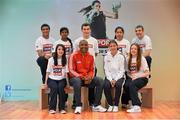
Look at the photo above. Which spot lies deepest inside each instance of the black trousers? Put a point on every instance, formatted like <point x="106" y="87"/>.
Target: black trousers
<point x="149" y="61"/>
<point x="91" y="96"/>
<point x="131" y="88"/>
<point x="42" y="62"/>
<point x="57" y="89"/>
<point x="107" y="91"/>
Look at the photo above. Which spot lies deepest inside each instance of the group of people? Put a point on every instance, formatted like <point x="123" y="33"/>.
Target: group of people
<point x="126" y="66"/>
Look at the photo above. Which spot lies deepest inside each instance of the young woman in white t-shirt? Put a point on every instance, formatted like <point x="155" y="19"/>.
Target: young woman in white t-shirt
<point x="123" y="44"/>
<point x="56" y="75"/>
<point x="138" y="72"/>
<point x="65" y="40"/>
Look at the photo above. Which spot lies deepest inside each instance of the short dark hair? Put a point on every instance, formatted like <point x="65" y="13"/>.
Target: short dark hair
<point x="64" y="28"/>
<point x="112" y="41"/>
<point x="140" y="26"/>
<point x="45" y="25"/>
<point x="84" y="24"/>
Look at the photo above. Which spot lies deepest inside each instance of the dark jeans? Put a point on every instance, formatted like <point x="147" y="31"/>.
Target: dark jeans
<point x="96" y="83"/>
<point x="107" y="91"/>
<point x="91" y="96"/>
<point x="131" y="89"/>
<point x="42" y="62"/>
<point x="57" y="88"/>
<point x="125" y="95"/>
<point x="149" y="61"/>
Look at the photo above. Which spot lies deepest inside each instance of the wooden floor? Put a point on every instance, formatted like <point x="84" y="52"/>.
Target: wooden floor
<point x="28" y="110"/>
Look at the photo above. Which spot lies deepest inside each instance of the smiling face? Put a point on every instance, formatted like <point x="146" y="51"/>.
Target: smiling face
<point x="83" y="46"/>
<point x="139" y="32"/>
<point x="86" y="31"/>
<point x="60" y="51"/>
<point x="113" y="47"/>
<point x="134" y="50"/>
<point x="45" y="31"/>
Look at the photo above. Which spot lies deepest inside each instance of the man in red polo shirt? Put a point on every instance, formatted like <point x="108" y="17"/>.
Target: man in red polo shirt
<point x="81" y="69"/>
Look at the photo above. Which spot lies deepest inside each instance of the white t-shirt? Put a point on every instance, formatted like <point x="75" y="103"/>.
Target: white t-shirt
<point x="144" y="43"/>
<point x="46" y="45"/>
<point x="92" y="43"/>
<point x="123" y="46"/>
<point x="133" y="69"/>
<point x="67" y="45"/>
<point x="114" y="66"/>
<point x="56" y="72"/>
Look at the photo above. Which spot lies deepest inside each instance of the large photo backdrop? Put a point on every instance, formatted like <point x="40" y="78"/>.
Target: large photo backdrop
<point x="20" y="23"/>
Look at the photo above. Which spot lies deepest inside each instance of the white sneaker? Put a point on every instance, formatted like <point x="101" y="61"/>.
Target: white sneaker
<point x="52" y="111"/>
<point x="99" y="108"/>
<point x="134" y="109"/>
<point x="115" y="109"/>
<point x="77" y="110"/>
<point x="110" y="108"/>
<point x="63" y="112"/>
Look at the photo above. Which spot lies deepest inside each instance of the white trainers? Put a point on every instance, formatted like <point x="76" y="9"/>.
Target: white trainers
<point x="52" y="111"/>
<point x="77" y="110"/>
<point x="110" y="108"/>
<point x="134" y="109"/>
<point x="115" y="109"/>
<point x="99" y="108"/>
<point x="63" y="112"/>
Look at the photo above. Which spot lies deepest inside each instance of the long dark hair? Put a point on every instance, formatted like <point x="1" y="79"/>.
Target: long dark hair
<point x="88" y="8"/>
<point x="66" y="29"/>
<point x="119" y="27"/>
<point x="138" y="63"/>
<point x="55" y="56"/>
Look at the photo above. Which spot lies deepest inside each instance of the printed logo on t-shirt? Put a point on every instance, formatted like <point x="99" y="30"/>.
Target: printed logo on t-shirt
<point x="57" y="70"/>
<point x="121" y="47"/>
<point x="133" y="68"/>
<point x="90" y="46"/>
<point x="68" y="49"/>
<point x="47" y="48"/>
<point x="142" y="45"/>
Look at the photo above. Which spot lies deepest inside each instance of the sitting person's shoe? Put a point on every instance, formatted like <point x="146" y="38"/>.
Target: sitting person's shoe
<point x="52" y="111"/>
<point x="99" y="108"/>
<point x="63" y="112"/>
<point x="115" y="109"/>
<point x="110" y="108"/>
<point x="134" y="109"/>
<point x="77" y="110"/>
